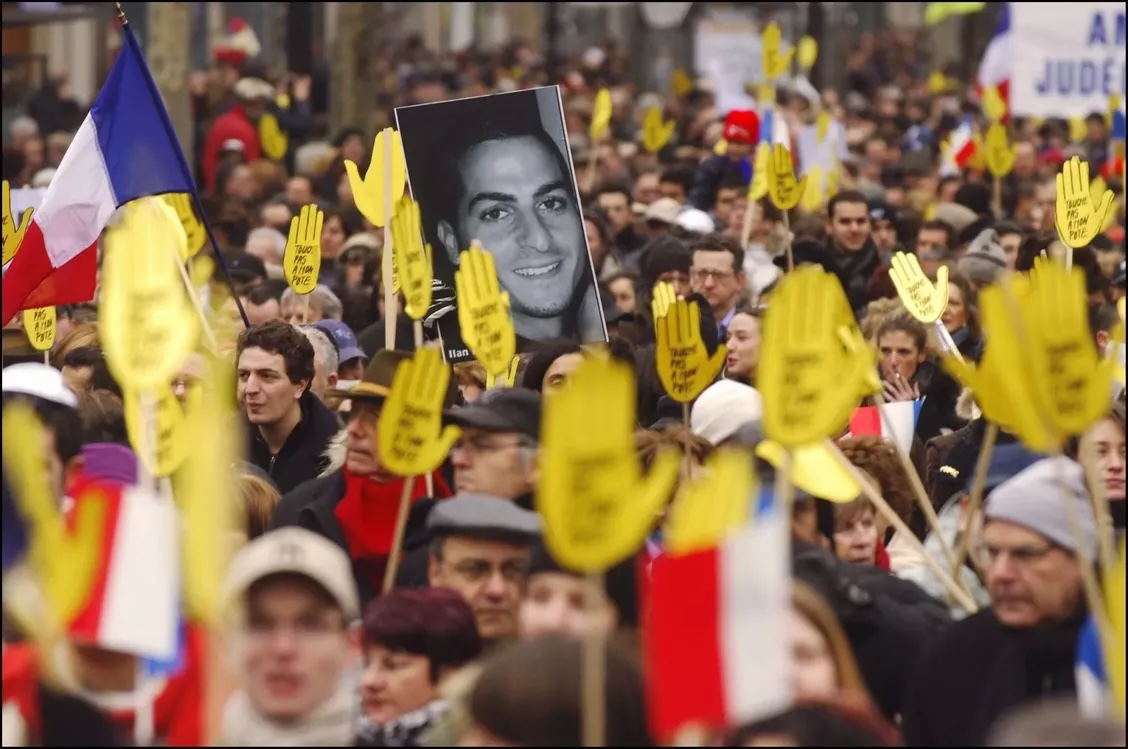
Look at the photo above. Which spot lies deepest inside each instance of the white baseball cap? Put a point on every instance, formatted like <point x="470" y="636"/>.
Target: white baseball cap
<point x="724" y="408"/>
<point x="39" y="380"/>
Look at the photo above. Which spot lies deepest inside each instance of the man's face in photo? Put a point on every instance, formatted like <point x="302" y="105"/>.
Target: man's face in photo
<point x="520" y="205"/>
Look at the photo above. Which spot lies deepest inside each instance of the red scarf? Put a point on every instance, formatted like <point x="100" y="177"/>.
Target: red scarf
<point x="881" y="556"/>
<point x="367" y="513"/>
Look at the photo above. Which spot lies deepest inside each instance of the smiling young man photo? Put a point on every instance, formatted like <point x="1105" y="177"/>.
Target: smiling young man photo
<point x="493" y="169"/>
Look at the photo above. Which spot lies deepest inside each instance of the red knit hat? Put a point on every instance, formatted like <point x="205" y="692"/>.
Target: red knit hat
<point x="240" y="44"/>
<point x="742" y="126"/>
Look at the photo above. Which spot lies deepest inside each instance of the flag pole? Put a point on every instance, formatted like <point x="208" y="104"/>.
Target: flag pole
<point x="171" y="132"/>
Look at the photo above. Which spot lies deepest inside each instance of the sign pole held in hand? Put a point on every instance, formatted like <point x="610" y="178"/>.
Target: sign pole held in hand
<point x="376" y="197"/>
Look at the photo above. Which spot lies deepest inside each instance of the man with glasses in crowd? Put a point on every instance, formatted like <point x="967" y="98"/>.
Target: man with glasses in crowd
<point x="717" y="273"/>
<point x="480" y="548"/>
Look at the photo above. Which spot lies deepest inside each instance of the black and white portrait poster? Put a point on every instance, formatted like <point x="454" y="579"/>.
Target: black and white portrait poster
<point x="497" y="169"/>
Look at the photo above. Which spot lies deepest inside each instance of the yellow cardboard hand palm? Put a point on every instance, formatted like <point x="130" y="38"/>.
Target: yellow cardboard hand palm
<point x="775" y="62"/>
<point x="412" y="439"/>
<point x="412" y="259"/>
<point x="1078" y="217"/>
<point x="656" y="133"/>
<point x="784" y="189"/>
<point x="1000" y="151"/>
<point x="386" y="170"/>
<point x="924" y="300"/>
<point x="706" y="510"/>
<point x="301" y="260"/>
<point x="684" y="365"/>
<point x="483" y="311"/>
<point x="194" y="229"/>
<point x="596" y="505"/>
<point x="13" y="235"/>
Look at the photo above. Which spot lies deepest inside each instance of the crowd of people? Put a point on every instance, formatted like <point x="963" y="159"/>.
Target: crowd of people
<point x="479" y="640"/>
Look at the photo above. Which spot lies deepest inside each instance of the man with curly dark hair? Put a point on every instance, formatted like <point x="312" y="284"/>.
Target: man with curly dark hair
<point x="288" y="426"/>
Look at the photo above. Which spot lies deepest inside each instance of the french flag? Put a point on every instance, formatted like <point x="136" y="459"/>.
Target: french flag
<point x="900" y="421"/>
<point x="717" y="627"/>
<point x="125" y="149"/>
<point x="133" y="602"/>
<point x="961" y="144"/>
<point x="995" y="67"/>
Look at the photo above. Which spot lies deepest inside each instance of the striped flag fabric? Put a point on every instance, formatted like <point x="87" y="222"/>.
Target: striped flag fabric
<point x="961" y="148"/>
<point x="715" y="623"/>
<point x="995" y="67"/>
<point x="900" y="421"/>
<point x="133" y="605"/>
<point x="1089" y="673"/>
<point x="125" y="149"/>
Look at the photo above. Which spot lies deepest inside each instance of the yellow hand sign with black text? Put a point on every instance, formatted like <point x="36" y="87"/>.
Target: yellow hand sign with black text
<point x="64" y="563"/>
<point x="684" y="365"/>
<point x="1078" y="217"/>
<point x="656" y="132"/>
<point x="412" y="438"/>
<point x="923" y="299"/>
<point x="411" y="259"/>
<point x="483" y="311"/>
<point x="810" y="380"/>
<point x="1000" y="152"/>
<point x="385" y="180"/>
<point x="775" y="61"/>
<point x="301" y="262"/>
<point x="172" y="441"/>
<point x="13" y="235"/>
<point x="785" y="190"/>
<point x="146" y="319"/>
<point x="596" y="505"/>
<point x="712" y="506"/>
<point x="600" y="115"/>
<point x="40" y="325"/>
<point x="194" y="230"/>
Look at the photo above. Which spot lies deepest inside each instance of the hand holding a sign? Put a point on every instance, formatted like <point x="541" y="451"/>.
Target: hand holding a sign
<point x="368" y="193"/>
<point x="13" y="235"/>
<point x="656" y="133"/>
<point x="924" y="300"/>
<point x="596" y="505"/>
<point x="301" y="262"/>
<point x="1000" y="151"/>
<point x="684" y="365"/>
<point x="712" y="506"/>
<point x="411" y="259"/>
<point x="483" y="311"/>
<point x="775" y="63"/>
<point x="1077" y="216"/>
<point x="413" y="441"/>
<point x="785" y="190"/>
<point x="194" y="230"/>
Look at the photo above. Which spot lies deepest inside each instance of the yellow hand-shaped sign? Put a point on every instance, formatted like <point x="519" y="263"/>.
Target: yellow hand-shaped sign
<point x="656" y="133"/>
<point x="775" y="62"/>
<point x="64" y="562"/>
<point x="994" y="108"/>
<point x="681" y="83"/>
<point x="761" y="171"/>
<point x="813" y="470"/>
<point x="483" y="311"/>
<point x="822" y="126"/>
<point x="1000" y="152"/>
<point x="511" y="373"/>
<point x="194" y="230"/>
<point x="1078" y="217"/>
<point x="274" y="141"/>
<point x="1078" y="129"/>
<point x="596" y="506"/>
<point x="411" y="259"/>
<point x="412" y="438"/>
<point x="384" y="182"/>
<point x="807" y="52"/>
<point x="600" y="116"/>
<point x="13" y="235"/>
<point x="40" y="325"/>
<point x="147" y="322"/>
<point x="813" y="194"/>
<point x="810" y="380"/>
<point x="173" y="441"/>
<point x="924" y="300"/>
<point x="201" y="270"/>
<point x="782" y="185"/>
<point x="301" y="262"/>
<point x="684" y="365"/>
<point x="708" y="509"/>
<point x="978" y="160"/>
<point x="1077" y="379"/>
<point x="937" y="83"/>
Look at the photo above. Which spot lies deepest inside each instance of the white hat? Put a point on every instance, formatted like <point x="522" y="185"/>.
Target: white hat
<point x="697" y="221"/>
<point x="665" y="210"/>
<point x="39" y="380"/>
<point x="296" y="551"/>
<point x="250" y="89"/>
<point x="723" y="409"/>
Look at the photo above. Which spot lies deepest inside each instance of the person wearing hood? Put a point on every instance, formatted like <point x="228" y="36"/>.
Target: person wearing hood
<point x="355" y="500"/>
<point x="909" y="374"/>
<point x="1038" y="531"/>
<point x="856" y="255"/>
<point x="289" y="427"/>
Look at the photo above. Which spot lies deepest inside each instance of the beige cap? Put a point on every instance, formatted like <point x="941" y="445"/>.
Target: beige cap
<point x="296" y="551"/>
<point x="665" y="210"/>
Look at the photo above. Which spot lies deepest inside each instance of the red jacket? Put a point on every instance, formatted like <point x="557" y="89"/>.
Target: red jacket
<point x="231" y="125"/>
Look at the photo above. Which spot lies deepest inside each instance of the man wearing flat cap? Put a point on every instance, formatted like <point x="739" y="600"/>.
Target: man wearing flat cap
<point x="1038" y="534"/>
<point x="480" y="548"/>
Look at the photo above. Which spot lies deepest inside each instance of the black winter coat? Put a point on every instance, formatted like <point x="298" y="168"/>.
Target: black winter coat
<point x="302" y="455"/>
